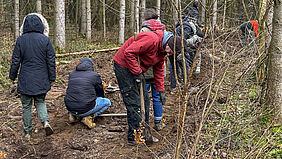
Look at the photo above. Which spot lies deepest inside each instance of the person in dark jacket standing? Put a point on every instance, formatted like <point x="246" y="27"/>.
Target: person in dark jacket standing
<point x="35" y="56"/>
<point x="151" y="48"/>
<point x="85" y="94"/>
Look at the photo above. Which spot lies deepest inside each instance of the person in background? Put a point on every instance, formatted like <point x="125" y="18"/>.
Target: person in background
<point x="85" y="94"/>
<point x="151" y="24"/>
<point x="193" y="36"/>
<point x="151" y="49"/>
<point x="249" y="31"/>
<point x="35" y="56"/>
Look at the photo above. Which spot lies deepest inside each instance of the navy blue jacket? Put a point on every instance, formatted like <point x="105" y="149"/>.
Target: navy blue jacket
<point x="188" y="31"/>
<point x="35" y="56"/>
<point x="84" y="87"/>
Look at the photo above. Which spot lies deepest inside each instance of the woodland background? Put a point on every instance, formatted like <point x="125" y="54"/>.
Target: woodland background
<point x="236" y="113"/>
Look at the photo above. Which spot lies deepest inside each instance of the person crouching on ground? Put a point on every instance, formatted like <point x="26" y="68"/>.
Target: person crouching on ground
<point x="85" y="94"/>
<point x="35" y="56"/>
<point x="151" y="48"/>
<point x="249" y="31"/>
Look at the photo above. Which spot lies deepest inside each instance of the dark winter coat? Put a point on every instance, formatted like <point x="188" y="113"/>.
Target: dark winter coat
<point x="84" y="87"/>
<point x="35" y="56"/>
<point x="189" y="29"/>
<point x="149" y="47"/>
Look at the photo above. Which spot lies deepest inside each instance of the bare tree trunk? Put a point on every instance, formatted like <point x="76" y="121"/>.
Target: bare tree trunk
<point x="143" y="7"/>
<point x="214" y="11"/>
<point x="60" y="24"/>
<point x="38" y="6"/>
<point x="76" y="16"/>
<point x="121" y="21"/>
<point x="132" y="18"/>
<point x="104" y="17"/>
<point x="88" y="22"/>
<point x="137" y="15"/>
<point x="261" y="41"/>
<point x="224" y="14"/>
<point x="269" y="27"/>
<point x="274" y="82"/>
<point x="17" y="19"/>
<point x="203" y="11"/>
<point x="175" y="12"/>
<point x="159" y="8"/>
<point x="83" y="17"/>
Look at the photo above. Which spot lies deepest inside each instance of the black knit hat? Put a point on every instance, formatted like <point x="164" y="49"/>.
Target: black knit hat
<point x="177" y="43"/>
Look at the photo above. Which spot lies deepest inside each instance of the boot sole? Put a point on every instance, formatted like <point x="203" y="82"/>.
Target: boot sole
<point x="49" y="131"/>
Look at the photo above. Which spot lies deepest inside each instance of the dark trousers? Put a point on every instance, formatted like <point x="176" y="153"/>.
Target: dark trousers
<point x="130" y="91"/>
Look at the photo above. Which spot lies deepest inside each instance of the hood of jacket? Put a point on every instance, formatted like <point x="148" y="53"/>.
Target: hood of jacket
<point x="85" y="65"/>
<point x="34" y="22"/>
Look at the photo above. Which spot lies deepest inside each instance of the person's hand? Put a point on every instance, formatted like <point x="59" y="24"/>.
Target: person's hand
<point x="139" y="78"/>
<point x="162" y="98"/>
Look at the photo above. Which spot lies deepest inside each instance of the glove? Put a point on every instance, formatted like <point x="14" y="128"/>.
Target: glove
<point x="162" y="98"/>
<point x="139" y="78"/>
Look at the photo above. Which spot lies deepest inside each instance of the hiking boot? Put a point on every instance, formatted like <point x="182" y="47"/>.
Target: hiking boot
<point x="48" y="128"/>
<point x="72" y="118"/>
<point x="159" y="125"/>
<point x="27" y="136"/>
<point x="88" y="121"/>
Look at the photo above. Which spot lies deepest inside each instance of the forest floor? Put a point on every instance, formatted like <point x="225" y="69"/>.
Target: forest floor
<point x="109" y="138"/>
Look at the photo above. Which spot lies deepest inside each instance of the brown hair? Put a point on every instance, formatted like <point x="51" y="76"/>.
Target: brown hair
<point x="150" y="13"/>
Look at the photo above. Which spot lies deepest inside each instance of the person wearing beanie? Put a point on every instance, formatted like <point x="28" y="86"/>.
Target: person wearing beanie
<point x="150" y="24"/>
<point x="133" y="59"/>
<point x="85" y="94"/>
<point x="249" y="31"/>
<point x="35" y="56"/>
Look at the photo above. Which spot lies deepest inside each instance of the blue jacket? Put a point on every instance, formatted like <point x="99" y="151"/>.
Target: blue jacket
<point x="188" y="30"/>
<point x="35" y="56"/>
<point x="84" y="87"/>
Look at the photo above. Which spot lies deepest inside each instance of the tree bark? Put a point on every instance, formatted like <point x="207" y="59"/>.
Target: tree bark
<point x="132" y="18"/>
<point x="261" y="41"/>
<point x="83" y="17"/>
<point x="88" y="23"/>
<point x="274" y="82"/>
<point x="159" y="8"/>
<point x="203" y="11"/>
<point x="38" y="6"/>
<point x="121" y="21"/>
<point x="214" y="11"/>
<point x="104" y="17"/>
<point x="137" y="15"/>
<point x="143" y="7"/>
<point x="17" y="19"/>
<point x="60" y="24"/>
<point x="175" y="12"/>
<point x="224" y="14"/>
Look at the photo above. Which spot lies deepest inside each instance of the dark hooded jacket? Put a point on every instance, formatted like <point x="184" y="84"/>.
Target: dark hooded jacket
<point x="35" y="56"/>
<point x="84" y="87"/>
<point x="188" y="29"/>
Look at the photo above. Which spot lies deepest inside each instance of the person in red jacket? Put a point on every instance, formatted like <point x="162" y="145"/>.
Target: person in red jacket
<point x="249" y="31"/>
<point x="151" y="48"/>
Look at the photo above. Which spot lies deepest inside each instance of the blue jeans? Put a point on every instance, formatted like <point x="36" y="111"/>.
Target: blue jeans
<point x="101" y="105"/>
<point x="157" y="105"/>
<point x="40" y="105"/>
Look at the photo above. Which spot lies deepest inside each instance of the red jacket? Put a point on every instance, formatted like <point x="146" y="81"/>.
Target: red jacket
<point x="153" y="25"/>
<point x="149" y="47"/>
<point x="255" y="26"/>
